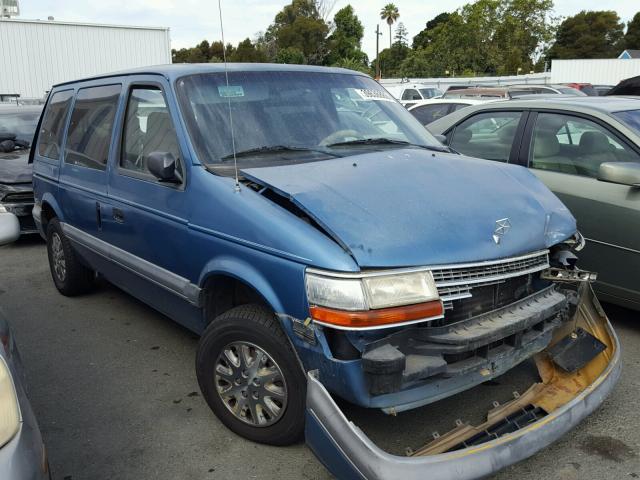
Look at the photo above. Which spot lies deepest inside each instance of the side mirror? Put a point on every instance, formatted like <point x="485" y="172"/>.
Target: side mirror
<point x="624" y="173"/>
<point x="441" y="138"/>
<point x="162" y="165"/>
<point x="9" y="228"/>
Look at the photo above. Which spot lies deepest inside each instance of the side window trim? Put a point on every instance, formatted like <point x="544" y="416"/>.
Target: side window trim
<point x="527" y="142"/>
<point x="147" y="177"/>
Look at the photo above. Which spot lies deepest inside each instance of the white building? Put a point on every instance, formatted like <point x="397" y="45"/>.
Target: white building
<point x="35" y="54"/>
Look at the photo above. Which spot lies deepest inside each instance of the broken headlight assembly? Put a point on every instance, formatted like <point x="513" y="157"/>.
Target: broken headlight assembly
<point x="9" y="409"/>
<point x="372" y="300"/>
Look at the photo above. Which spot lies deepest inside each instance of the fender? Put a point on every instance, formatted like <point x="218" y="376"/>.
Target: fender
<point x="239" y="269"/>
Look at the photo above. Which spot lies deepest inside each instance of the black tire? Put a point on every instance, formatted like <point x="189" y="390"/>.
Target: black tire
<point x="76" y="278"/>
<point x="257" y="325"/>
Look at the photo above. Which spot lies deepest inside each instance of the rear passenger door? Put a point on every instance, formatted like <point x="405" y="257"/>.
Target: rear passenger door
<point x="88" y="142"/>
<point x="148" y="219"/>
<point x="565" y="151"/>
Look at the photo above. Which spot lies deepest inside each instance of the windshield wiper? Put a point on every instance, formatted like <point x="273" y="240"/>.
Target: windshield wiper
<point x="277" y="149"/>
<point x="388" y="141"/>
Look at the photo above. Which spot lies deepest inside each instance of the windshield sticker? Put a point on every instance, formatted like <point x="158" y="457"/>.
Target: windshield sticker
<point x="370" y="94"/>
<point x="231" y="91"/>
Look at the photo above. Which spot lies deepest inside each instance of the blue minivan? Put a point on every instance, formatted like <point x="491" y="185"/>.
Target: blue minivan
<point x="323" y="244"/>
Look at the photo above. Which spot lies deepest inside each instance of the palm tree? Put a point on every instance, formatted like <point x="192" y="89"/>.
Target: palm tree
<point x="390" y="14"/>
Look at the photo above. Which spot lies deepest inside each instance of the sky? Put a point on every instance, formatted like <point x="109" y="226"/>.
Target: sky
<point x="192" y="21"/>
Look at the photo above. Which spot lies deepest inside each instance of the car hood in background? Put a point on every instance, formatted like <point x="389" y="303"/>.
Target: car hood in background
<point x="14" y="167"/>
<point x="411" y="207"/>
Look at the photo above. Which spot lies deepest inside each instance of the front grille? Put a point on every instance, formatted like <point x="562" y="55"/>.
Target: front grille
<point x="487" y="272"/>
<point x="19" y="197"/>
<point x="472" y="289"/>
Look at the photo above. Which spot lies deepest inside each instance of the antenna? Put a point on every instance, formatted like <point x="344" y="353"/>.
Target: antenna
<point x="226" y="76"/>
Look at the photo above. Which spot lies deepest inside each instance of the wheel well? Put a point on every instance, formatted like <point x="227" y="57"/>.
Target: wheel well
<point x="222" y="293"/>
<point x="47" y="214"/>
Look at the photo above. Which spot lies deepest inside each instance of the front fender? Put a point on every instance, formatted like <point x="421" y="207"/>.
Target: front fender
<point x="243" y="271"/>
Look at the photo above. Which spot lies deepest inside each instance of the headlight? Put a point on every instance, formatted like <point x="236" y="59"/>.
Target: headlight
<point x="372" y="300"/>
<point x="9" y="410"/>
<point x="576" y="242"/>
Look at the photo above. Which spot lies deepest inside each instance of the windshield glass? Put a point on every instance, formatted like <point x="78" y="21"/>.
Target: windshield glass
<point x="21" y="124"/>
<point x="290" y="117"/>
<point x="631" y="118"/>
<point x="571" y="91"/>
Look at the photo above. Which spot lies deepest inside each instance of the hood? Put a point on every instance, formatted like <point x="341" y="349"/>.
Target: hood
<point x="412" y="207"/>
<point x="14" y="167"/>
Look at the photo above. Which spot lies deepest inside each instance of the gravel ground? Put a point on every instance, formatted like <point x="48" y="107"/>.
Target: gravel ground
<point x="114" y="388"/>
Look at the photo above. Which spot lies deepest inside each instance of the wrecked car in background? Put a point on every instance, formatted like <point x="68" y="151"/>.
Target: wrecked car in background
<point x="324" y="244"/>
<point x="17" y="127"/>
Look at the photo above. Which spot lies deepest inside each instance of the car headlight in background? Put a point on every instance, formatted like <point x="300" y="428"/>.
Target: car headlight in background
<point x="9" y="409"/>
<point x="372" y="300"/>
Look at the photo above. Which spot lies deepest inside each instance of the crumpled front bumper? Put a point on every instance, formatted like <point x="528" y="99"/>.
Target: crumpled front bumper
<point x="566" y="398"/>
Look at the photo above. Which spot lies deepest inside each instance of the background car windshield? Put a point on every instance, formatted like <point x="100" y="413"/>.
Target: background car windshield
<point x="21" y="124"/>
<point x="631" y="118"/>
<point x="306" y="110"/>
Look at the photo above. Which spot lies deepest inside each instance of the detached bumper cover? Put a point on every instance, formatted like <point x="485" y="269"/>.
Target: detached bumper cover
<point x="349" y="454"/>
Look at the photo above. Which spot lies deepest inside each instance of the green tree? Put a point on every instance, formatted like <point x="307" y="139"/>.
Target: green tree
<point x="290" y="55"/>
<point x="390" y="14"/>
<point x="248" y="52"/>
<point x="589" y="35"/>
<point x="401" y="34"/>
<point x="345" y="41"/>
<point x="423" y="38"/>
<point x="632" y="37"/>
<point x="391" y="59"/>
<point x="299" y="26"/>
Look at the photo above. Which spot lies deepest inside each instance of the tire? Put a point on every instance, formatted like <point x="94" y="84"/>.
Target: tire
<point x="70" y="277"/>
<point x="276" y="419"/>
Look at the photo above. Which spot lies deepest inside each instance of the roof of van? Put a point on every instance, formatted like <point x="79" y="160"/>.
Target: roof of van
<point x="176" y="70"/>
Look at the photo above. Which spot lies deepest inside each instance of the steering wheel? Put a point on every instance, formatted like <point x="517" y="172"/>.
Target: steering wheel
<point x="339" y="136"/>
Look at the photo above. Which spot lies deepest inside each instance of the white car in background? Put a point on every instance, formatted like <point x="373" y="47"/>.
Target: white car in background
<point x="409" y="94"/>
<point x="427" y="111"/>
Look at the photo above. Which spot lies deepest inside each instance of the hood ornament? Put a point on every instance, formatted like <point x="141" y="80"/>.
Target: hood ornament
<point x="502" y="226"/>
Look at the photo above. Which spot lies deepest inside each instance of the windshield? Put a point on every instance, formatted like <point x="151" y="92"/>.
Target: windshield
<point x="631" y="118"/>
<point x="571" y="91"/>
<point x="21" y="124"/>
<point x="286" y="117"/>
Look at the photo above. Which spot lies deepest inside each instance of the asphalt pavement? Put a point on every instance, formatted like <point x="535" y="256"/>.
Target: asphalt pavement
<point x="113" y="385"/>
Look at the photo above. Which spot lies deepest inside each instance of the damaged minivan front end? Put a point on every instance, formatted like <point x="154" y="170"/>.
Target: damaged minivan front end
<point x="578" y="365"/>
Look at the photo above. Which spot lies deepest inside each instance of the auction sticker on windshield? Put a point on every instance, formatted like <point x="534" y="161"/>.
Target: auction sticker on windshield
<point x="227" y="91"/>
<point x="371" y="94"/>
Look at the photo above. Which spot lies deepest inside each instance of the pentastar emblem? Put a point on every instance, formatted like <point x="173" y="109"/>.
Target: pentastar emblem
<point x="502" y="227"/>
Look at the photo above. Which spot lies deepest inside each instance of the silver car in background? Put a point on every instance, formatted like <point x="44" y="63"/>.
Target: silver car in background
<point x="22" y="452"/>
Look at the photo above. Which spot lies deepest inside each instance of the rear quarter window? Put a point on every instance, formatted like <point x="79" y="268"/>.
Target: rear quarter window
<point x="52" y="128"/>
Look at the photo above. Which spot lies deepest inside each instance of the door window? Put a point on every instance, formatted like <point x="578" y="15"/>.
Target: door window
<point x="52" y="128"/>
<point x="487" y="135"/>
<point x="91" y="126"/>
<point x="430" y="113"/>
<point x="574" y="145"/>
<point x="148" y="128"/>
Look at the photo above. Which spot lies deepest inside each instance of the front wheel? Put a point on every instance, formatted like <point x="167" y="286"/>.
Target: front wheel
<point x="250" y="376"/>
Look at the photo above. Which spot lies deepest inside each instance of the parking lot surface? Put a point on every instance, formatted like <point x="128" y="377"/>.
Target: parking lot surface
<point x="114" y="388"/>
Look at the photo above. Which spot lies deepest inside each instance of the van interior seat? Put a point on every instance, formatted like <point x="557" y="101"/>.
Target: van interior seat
<point x="595" y="149"/>
<point x="547" y="156"/>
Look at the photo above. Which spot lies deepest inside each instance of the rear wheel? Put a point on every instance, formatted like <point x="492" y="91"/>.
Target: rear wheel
<point x="250" y="376"/>
<point x="69" y="275"/>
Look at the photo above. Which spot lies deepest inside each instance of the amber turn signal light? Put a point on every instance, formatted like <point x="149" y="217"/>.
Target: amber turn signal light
<point x="384" y="317"/>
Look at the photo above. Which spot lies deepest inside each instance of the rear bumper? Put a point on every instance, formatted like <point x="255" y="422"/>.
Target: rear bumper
<point x="349" y="454"/>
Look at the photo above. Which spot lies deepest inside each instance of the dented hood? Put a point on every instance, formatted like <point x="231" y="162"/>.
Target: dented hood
<point x="14" y="167"/>
<point x="410" y="207"/>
